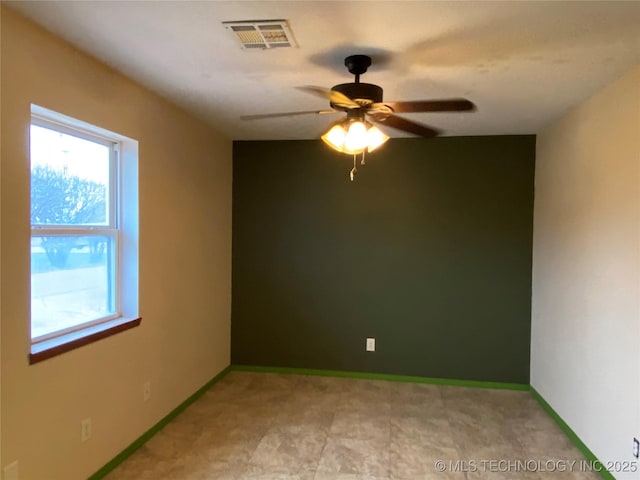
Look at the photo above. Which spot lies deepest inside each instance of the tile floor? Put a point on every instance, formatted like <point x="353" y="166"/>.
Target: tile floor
<point x="297" y="427"/>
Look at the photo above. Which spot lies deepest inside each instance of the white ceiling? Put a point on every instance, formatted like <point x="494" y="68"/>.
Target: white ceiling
<point x="522" y="63"/>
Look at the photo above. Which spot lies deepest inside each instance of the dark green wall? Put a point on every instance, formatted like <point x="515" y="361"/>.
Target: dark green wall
<point x="429" y="251"/>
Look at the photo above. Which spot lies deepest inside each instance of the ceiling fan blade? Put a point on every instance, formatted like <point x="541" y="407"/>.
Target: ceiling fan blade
<point x="446" y="105"/>
<point x="405" y="125"/>
<point x="337" y="98"/>
<point x="285" y="114"/>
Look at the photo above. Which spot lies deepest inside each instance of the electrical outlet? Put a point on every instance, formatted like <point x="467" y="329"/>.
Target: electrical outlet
<point x="146" y="390"/>
<point x="371" y="344"/>
<point x="85" y="429"/>
<point x="636" y="447"/>
<point x="10" y="472"/>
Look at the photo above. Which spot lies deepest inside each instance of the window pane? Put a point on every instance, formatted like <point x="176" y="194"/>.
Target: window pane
<point x="71" y="281"/>
<point x="69" y="179"/>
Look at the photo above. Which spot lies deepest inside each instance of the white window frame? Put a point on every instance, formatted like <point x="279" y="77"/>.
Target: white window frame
<point x="122" y="227"/>
<point x="111" y="229"/>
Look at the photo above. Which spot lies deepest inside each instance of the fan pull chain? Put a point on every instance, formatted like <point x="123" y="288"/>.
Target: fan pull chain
<point x="354" y="170"/>
<point x="362" y="161"/>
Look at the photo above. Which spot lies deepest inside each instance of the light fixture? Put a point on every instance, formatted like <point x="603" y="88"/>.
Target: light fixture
<point x="354" y="136"/>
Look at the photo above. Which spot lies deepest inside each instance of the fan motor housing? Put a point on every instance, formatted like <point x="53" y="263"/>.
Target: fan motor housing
<point x="366" y="93"/>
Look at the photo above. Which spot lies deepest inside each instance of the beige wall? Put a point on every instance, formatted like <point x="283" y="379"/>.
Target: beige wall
<point x="185" y="265"/>
<point x="585" y="339"/>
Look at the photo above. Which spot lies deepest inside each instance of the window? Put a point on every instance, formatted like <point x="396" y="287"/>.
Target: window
<point x="79" y="282"/>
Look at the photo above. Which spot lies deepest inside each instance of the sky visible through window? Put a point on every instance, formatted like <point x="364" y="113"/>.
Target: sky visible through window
<point x="82" y="158"/>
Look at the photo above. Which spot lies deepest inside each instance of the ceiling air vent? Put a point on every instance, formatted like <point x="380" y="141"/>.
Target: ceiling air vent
<point x="261" y="33"/>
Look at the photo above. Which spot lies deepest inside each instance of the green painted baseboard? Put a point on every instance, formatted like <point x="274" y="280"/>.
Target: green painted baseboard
<point x="571" y="434"/>
<point x="382" y="376"/>
<point x="145" y="437"/>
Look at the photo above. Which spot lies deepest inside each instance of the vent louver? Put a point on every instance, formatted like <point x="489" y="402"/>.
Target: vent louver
<point x="261" y="34"/>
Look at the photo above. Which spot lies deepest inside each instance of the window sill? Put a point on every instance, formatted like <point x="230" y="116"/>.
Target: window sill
<point x="56" y="346"/>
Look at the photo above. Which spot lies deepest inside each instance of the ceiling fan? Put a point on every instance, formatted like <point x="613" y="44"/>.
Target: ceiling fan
<point x="363" y="104"/>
